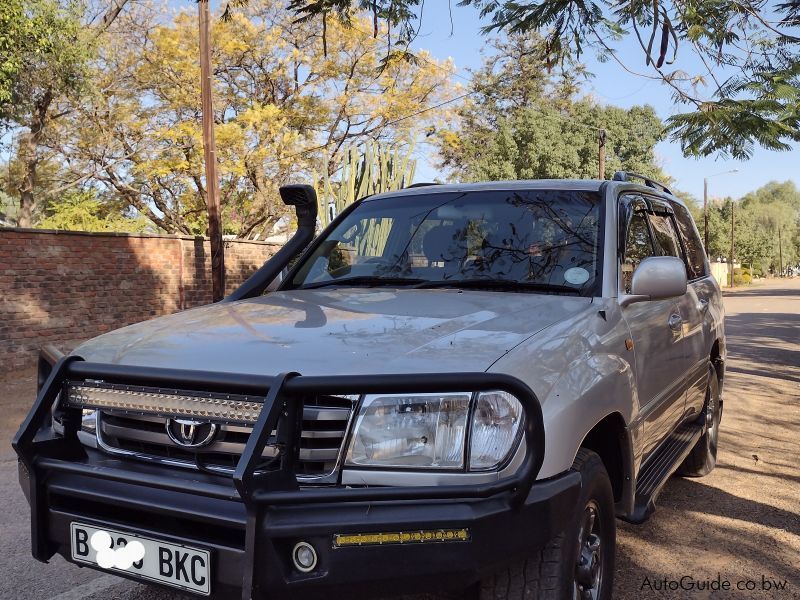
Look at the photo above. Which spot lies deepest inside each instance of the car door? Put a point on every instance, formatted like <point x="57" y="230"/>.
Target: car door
<point x="656" y="331"/>
<point x="695" y="308"/>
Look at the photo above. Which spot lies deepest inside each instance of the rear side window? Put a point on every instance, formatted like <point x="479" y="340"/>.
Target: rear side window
<point x="695" y="254"/>
<point x="667" y="243"/>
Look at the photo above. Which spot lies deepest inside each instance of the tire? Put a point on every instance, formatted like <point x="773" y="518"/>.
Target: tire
<point x="703" y="457"/>
<point x="552" y="573"/>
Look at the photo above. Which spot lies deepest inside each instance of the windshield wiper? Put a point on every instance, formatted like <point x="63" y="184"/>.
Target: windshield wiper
<point x="501" y="284"/>
<point x="363" y="281"/>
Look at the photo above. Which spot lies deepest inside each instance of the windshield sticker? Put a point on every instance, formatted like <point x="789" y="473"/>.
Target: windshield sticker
<point x="576" y="275"/>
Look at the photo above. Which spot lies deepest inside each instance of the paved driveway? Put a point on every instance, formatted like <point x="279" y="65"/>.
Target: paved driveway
<point x="740" y="525"/>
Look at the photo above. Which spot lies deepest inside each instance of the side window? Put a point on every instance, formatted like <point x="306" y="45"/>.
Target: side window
<point x="667" y="243"/>
<point x="638" y="246"/>
<point x="696" y="254"/>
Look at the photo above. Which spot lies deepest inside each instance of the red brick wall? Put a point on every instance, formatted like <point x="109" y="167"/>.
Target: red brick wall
<point x="65" y="287"/>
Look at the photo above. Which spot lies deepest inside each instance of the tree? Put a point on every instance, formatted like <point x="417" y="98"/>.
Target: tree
<point x="747" y="91"/>
<point x="82" y="210"/>
<point x="523" y="122"/>
<point x="284" y="103"/>
<point x="47" y="69"/>
<point x="21" y="34"/>
<point x="763" y="218"/>
<point x="45" y="48"/>
<point x="773" y="211"/>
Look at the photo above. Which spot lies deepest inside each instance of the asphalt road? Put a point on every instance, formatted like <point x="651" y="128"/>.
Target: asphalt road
<point x="740" y="524"/>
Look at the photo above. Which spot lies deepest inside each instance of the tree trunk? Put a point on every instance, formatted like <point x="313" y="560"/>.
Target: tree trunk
<point x="29" y="154"/>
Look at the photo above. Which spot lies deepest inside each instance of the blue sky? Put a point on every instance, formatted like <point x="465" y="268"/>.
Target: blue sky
<point x="612" y="85"/>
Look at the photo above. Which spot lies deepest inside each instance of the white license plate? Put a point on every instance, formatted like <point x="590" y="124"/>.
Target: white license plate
<point x="171" y="564"/>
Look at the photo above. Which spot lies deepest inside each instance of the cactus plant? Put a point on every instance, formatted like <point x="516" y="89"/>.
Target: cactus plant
<point x="370" y="169"/>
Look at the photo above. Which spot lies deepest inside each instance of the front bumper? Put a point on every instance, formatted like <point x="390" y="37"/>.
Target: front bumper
<point x="499" y="531"/>
<point x="251" y="521"/>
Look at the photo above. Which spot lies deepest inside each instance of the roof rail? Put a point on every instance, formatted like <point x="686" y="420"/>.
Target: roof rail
<point x="651" y="183"/>
<point x="421" y="184"/>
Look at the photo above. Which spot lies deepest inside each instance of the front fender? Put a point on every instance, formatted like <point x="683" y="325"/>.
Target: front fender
<point x="581" y="372"/>
<point x="594" y="387"/>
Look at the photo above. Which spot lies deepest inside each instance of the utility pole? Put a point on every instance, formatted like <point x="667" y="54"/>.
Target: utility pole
<point x="780" y="250"/>
<point x="705" y="213"/>
<point x="733" y="283"/>
<point x="210" y="158"/>
<point x="601" y="154"/>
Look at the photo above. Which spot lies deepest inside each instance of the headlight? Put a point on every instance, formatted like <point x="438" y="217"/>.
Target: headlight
<point x="429" y="431"/>
<point x="419" y="431"/>
<point x="495" y="429"/>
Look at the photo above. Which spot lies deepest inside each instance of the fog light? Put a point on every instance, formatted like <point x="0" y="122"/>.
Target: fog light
<point x="304" y="557"/>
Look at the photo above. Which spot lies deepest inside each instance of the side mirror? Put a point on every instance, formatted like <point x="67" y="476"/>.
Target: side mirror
<point x="655" y="278"/>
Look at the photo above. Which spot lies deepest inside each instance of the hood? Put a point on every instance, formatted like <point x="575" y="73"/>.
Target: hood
<point x="338" y="331"/>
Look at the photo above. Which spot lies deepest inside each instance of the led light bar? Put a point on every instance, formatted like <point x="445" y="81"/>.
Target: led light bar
<point x="342" y="540"/>
<point x="206" y="406"/>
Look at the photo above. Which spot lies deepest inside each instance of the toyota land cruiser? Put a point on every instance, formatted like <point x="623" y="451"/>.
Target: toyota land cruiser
<point x="453" y="387"/>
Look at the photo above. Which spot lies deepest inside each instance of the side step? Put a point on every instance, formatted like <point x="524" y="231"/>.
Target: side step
<point x="657" y="471"/>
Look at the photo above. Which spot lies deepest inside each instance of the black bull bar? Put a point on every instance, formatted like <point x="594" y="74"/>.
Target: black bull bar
<point x="42" y="451"/>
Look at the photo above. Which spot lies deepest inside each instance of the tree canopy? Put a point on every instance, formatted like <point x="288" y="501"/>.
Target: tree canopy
<point x="525" y="120"/>
<point x="286" y="105"/>
<point x="745" y="93"/>
<point x="766" y="227"/>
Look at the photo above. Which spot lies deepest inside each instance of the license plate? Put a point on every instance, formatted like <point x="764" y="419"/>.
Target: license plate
<point x="171" y="564"/>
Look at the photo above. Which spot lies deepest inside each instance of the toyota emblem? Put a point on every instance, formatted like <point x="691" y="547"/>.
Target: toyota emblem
<point x="191" y="434"/>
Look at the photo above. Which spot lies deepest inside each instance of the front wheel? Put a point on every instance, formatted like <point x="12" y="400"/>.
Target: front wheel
<point x="577" y="564"/>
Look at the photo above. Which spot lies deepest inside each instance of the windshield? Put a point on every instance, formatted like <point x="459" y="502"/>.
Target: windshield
<point x="535" y="240"/>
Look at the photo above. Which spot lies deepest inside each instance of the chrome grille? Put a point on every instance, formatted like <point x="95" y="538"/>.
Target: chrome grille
<point x="324" y="429"/>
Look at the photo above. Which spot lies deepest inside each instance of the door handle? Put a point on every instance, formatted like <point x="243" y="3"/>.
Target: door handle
<point x="675" y="322"/>
<point x="703" y="304"/>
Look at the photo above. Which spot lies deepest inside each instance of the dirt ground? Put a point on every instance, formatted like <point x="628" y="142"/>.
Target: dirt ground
<point x="739" y="526"/>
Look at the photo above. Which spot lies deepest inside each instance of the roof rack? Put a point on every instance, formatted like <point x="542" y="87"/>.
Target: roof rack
<point x="421" y="184"/>
<point x="627" y="175"/>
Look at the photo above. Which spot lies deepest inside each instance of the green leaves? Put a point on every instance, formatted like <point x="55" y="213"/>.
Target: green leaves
<point x="524" y="123"/>
<point x="769" y="115"/>
<point x="743" y="93"/>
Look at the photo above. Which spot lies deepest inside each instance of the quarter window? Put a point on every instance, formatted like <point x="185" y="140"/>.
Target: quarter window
<point x="667" y="243"/>
<point x="638" y="246"/>
<point x="695" y="253"/>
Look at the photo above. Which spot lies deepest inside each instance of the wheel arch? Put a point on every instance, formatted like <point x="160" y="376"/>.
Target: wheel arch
<point x="610" y="438"/>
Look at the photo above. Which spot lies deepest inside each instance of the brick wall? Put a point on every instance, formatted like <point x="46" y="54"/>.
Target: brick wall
<point x="64" y="287"/>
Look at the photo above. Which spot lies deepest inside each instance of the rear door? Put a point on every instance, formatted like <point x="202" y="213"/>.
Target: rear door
<point x="695" y="308"/>
<point x="668" y="243"/>
<point x="656" y="331"/>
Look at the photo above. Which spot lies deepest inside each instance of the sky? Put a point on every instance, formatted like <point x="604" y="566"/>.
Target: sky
<point x="612" y="85"/>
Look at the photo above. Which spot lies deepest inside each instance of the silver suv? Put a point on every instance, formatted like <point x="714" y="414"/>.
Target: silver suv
<point x="453" y="386"/>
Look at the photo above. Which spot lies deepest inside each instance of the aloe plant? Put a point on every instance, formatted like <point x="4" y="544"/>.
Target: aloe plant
<point x="369" y="169"/>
